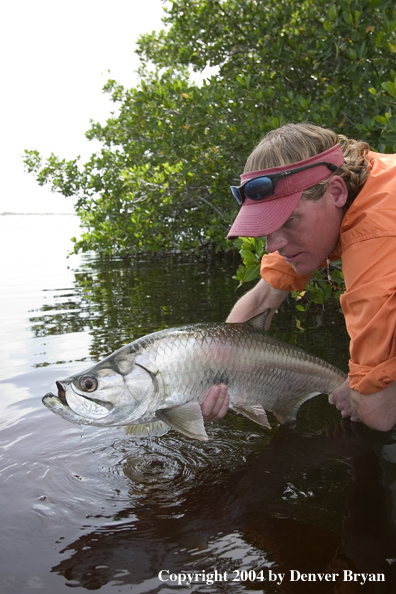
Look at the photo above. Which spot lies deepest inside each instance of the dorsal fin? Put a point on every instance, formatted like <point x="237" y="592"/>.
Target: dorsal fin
<point x="258" y="322"/>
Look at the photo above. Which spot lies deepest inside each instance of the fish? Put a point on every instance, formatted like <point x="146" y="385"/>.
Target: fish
<point x="158" y="381"/>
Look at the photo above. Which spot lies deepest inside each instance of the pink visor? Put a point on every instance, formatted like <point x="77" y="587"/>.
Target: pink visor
<point x="258" y="218"/>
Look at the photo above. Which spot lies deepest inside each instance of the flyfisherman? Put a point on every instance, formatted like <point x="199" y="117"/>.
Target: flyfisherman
<point x="317" y="195"/>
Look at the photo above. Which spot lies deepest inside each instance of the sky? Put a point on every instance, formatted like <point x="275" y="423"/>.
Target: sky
<point x="55" y="58"/>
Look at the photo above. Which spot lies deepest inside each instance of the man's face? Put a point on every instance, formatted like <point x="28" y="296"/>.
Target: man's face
<point x="309" y="235"/>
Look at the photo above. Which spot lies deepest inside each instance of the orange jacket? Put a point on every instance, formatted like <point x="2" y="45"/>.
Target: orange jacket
<point x="367" y="246"/>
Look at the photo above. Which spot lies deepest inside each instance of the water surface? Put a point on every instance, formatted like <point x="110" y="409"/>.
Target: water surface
<point x="89" y="509"/>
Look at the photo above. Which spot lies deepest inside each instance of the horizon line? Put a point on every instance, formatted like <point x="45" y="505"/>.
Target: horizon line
<point x="36" y="213"/>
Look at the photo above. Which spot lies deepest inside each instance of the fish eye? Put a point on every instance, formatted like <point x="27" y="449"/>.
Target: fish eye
<point x="88" y="384"/>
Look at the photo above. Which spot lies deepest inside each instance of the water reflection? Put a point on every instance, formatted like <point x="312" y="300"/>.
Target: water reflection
<point x="117" y="302"/>
<point x="284" y="510"/>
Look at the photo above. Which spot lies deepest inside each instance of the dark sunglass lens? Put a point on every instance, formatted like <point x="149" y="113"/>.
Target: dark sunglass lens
<point x="259" y="188"/>
<point x="236" y="192"/>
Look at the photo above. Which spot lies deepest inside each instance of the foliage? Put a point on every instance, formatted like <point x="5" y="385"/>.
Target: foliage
<point x="172" y="147"/>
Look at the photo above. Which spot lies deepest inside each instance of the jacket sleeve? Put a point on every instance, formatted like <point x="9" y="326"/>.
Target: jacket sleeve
<point x="281" y="275"/>
<point x="369" y="306"/>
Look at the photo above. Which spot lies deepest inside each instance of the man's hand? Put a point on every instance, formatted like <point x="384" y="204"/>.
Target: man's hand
<point x="341" y="398"/>
<point x="215" y="405"/>
<point x="377" y="410"/>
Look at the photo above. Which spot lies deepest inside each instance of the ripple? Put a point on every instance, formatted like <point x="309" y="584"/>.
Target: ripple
<point x="155" y="469"/>
<point x="171" y="464"/>
<point x="95" y="473"/>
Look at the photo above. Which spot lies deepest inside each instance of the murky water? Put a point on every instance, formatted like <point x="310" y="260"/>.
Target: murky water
<point x="89" y="509"/>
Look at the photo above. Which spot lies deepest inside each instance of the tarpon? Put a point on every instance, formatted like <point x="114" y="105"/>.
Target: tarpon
<point x="159" y="380"/>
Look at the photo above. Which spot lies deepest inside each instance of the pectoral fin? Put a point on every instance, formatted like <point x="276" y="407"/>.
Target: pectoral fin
<point x="155" y="428"/>
<point x="254" y="412"/>
<point x="186" y="418"/>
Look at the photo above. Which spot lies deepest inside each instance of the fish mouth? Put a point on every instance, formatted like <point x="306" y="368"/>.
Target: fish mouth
<point x="60" y="396"/>
<point x="61" y="392"/>
<point x="82" y="405"/>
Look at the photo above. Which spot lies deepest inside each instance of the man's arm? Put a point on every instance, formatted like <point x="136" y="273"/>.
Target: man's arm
<point x="377" y="410"/>
<point x="262" y="297"/>
<point x="369" y="306"/>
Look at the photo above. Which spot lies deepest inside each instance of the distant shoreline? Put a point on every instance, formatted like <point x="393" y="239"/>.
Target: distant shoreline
<point x="38" y="213"/>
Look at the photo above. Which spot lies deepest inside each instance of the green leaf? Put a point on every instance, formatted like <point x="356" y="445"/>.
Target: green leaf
<point x="333" y="12"/>
<point x="252" y="273"/>
<point x="390" y="88"/>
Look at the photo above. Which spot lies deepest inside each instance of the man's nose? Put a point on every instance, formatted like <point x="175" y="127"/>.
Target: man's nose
<point x="276" y="241"/>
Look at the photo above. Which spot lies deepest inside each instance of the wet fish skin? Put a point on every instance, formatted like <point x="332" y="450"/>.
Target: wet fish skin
<point x="159" y="380"/>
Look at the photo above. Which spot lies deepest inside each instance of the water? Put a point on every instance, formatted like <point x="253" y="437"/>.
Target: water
<point x="89" y="509"/>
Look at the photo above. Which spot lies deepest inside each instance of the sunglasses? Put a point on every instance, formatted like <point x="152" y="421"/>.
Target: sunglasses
<point x="264" y="186"/>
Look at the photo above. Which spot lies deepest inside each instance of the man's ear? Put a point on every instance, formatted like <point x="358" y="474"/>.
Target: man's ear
<point x="338" y="190"/>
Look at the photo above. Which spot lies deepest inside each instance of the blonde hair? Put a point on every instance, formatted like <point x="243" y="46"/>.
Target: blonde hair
<point x="296" y="142"/>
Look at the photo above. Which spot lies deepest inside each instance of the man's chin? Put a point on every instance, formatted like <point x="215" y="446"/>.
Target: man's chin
<point x="302" y="268"/>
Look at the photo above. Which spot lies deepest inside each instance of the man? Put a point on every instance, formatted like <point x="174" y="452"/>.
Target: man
<point x="316" y="195"/>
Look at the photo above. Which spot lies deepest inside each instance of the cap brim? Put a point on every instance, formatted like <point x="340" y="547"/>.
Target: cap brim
<point x="260" y="218"/>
